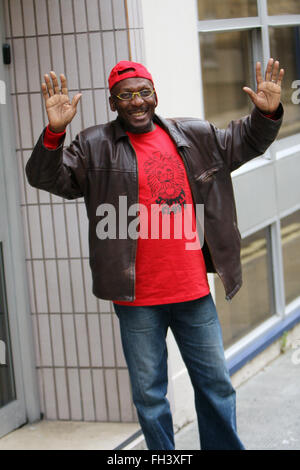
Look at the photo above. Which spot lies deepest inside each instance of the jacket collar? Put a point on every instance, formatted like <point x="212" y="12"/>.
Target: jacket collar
<point x="168" y="125"/>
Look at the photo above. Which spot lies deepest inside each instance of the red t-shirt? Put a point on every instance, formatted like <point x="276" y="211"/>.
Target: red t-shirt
<point x="169" y="261"/>
<point x="167" y="269"/>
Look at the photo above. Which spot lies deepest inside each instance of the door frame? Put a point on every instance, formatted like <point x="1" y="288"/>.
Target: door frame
<point x="26" y="407"/>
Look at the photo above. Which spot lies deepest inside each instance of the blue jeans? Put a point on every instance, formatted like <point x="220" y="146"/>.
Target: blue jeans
<point x="197" y="331"/>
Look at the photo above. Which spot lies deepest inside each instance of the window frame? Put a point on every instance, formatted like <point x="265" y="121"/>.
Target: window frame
<point x="280" y="149"/>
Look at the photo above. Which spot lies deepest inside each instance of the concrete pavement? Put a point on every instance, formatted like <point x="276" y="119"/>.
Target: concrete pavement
<point x="268" y="416"/>
<point x="268" y="408"/>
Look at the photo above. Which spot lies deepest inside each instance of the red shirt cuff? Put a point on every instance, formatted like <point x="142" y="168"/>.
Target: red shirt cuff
<point x="52" y="140"/>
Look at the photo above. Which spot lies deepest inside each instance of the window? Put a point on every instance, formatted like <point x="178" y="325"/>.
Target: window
<point x="226" y="67"/>
<point x="283" y="7"/>
<point x="290" y="238"/>
<point x="213" y="9"/>
<point x="285" y="46"/>
<point x="253" y="304"/>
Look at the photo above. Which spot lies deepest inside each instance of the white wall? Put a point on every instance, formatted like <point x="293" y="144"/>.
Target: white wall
<point x="172" y="55"/>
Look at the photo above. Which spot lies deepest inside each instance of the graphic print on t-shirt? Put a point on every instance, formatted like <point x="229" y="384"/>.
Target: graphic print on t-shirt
<point x="165" y="177"/>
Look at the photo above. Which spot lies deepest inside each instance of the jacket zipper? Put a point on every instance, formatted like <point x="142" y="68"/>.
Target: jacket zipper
<point x="135" y="244"/>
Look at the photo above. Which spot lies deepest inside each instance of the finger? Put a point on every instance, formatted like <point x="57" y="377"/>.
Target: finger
<point x="259" y="77"/>
<point x="275" y="70"/>
<point x="280" y="77"/>
<point x="55" y="83"/>
<point x="49" y="85"/>
<point x="250" y="92"/>
<point x="269" y="70"/>
<point x="64" y="86"/>
<point x="45" y="91"/>
<point x="76" y="99"/>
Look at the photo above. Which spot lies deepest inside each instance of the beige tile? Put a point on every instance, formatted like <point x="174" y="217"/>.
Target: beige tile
<point x="122" y="45"/>
<point x="40" y="286"/>
<point x="70" y="340"/>
<point x="93" y="15"/>
<point x="41" y="17"/>
<point x="107" y="340"/>
<point x="62" y="394"/>
<point x="16" y="17"/>
<point x="96" y="60"/>
<point x="119" y="14"/>
<point x="88" y="109"/>
<point x="80" y="16"/>
<point x="71" y="66"/>
<point x="75" y="394"/>
<point x="90" y="298"/>
<point x="94" y="340"/>
<point x="65" y="286"/>
<point x="112" y="395"/>
<point x="100" y="395"/>
<point x="43" y="325"/>
<point x="84" y="62"/>
<point x="54" y="16"/>
<point x="24" y="113"/>
<point x="29" y="18"/>
<point x="106" y="14"/>
<point x="47" y="231"/>
<point x="87" y="395"/>
<point x="58" y="346"/>
<point x="49" y="391"/>
<point x="82" y="340"/>
<point x="77" y="286"/>
<point x="126" y="401"/>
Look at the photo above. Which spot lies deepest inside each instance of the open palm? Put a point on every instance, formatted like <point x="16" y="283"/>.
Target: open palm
<point x="59" y="109"/>
<point x="268" y="93"/>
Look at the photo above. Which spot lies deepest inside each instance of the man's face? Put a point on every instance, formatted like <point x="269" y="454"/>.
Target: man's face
<point x="137" y="114"/>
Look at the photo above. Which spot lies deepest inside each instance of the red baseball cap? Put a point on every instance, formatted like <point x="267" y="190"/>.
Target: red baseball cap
<point x="127" y="69"/>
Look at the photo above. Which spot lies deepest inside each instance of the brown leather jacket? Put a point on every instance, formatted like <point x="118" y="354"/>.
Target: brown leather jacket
<point x="100" y="165"/>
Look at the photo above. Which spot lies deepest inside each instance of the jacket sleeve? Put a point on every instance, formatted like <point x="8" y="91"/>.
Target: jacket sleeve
<point x="246" y="138"/>
<point x="61" y="171"/>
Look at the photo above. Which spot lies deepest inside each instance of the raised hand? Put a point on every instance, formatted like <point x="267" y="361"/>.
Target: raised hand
<point x="268" y="93"/>
<point x="59" y="109"/>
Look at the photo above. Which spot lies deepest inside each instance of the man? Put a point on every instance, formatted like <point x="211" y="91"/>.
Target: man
<point x="158" y="281"/>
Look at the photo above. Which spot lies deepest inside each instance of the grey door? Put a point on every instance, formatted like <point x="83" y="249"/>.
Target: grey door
<point x="12" y="404"/>
<point x="19" y="400"/>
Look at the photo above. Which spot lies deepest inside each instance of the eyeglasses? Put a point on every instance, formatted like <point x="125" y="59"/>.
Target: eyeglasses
<point x="129" y="95"/>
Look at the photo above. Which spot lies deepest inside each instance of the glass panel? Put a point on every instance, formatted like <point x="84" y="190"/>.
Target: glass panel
<point x="290" y="238"/>
<point x="7" y="387"/>
<point x="217" y="9"/>
<point x="253" y="304"/>
<point x="283" y="7"/>
<point x="226" y="60"/>
<point x="285" y="46"/>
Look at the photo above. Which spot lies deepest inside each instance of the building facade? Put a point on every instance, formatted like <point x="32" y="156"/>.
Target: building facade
<point x="60" y="351"/>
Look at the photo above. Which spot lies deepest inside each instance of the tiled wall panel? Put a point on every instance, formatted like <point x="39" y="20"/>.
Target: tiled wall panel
<point x="81" y="368"/>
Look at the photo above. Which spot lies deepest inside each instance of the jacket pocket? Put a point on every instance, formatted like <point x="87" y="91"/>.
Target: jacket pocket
<point x="209" y="174"/>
